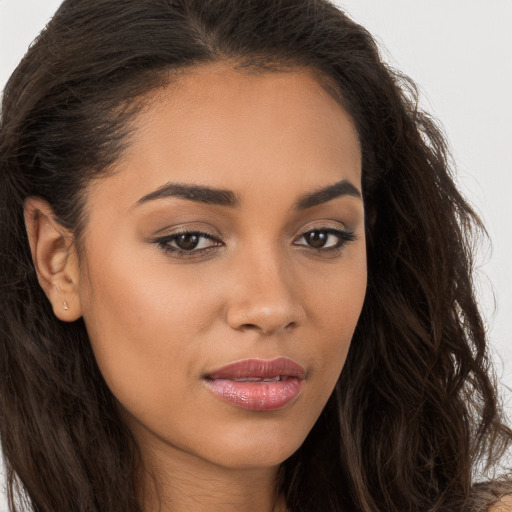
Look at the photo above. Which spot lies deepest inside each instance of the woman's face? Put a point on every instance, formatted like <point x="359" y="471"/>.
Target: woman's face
<point x="233" y="231"/>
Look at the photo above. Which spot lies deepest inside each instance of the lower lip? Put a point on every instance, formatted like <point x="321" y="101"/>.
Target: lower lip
<point x="256" y="396"/>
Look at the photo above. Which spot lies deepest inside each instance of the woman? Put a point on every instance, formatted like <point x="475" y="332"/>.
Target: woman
<point x="236" y="272"/>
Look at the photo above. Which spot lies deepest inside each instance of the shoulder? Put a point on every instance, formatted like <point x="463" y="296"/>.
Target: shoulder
<point x="504" y="505"/>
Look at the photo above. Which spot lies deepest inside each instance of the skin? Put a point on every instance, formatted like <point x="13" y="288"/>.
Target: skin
<point x="504" y="505"/>
<point x="158" y="322"/>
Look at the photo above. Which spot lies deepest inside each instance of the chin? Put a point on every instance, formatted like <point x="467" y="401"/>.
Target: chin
<point x="243" y="452"/>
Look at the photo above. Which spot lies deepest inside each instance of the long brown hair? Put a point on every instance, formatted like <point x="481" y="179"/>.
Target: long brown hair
<point x="415" y="410"/>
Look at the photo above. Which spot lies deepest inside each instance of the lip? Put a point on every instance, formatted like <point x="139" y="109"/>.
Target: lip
<point x="257" y="384"/>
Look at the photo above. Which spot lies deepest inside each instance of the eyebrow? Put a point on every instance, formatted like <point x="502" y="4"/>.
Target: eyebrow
<point x="198" y="193"/>
<point x="222" y="197"/>
<point x="323" y="195"/>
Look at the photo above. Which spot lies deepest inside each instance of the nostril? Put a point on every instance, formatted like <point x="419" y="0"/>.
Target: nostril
<point x="249" y="327"/>
<point x="267" y="329"/>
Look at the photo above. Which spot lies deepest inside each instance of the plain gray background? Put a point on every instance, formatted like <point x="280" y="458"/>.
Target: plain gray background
<point x="459" y="52"/>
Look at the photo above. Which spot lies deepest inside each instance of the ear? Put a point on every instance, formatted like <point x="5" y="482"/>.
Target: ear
<point x="55" y="258"/>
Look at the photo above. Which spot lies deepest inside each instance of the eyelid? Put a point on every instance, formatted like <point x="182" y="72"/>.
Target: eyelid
<point x="326" y="225"/>
<point x="186" y="228"/>
<point x="326" y="229"/>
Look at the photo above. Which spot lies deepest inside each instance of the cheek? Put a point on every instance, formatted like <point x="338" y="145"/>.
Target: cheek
<point x="336" y="311"/>
<point x="337" y="295"/>
<point x="144" y="325"/>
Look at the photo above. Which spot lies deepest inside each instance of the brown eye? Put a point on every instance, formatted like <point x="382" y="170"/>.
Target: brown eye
<point x="316" y="239"/>
<point x="187" y="242"/>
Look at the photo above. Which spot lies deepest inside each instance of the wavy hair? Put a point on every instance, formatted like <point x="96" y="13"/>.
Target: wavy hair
<point x="415" y="410"/>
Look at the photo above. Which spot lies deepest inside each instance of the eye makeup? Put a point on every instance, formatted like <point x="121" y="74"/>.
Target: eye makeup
<point x="193" y="243"/>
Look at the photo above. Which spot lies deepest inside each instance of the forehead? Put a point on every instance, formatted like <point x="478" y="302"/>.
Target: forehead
<point x="222" y="127"/>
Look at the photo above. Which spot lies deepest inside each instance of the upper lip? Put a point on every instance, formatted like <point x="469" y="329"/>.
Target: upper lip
<point x="259" y="369"/>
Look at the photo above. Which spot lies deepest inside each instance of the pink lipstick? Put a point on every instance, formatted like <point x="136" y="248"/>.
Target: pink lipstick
<point x="257" y="384"/>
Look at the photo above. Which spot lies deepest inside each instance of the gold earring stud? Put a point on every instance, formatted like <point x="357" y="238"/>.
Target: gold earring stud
<point x="66" y="305"/>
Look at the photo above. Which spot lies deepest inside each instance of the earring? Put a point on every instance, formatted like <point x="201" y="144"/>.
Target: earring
<point x="66" y="305"/>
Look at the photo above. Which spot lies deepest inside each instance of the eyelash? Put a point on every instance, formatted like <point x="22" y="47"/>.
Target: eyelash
<point x="344" y="237"/>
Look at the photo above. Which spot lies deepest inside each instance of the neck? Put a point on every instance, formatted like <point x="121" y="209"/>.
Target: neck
<point x="174" y="481"/>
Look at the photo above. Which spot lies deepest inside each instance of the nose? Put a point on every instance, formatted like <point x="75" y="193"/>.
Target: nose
<point x="264" y="297"/>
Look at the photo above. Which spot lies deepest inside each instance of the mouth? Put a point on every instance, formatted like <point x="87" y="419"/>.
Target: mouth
<point x="257" y="384"/>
